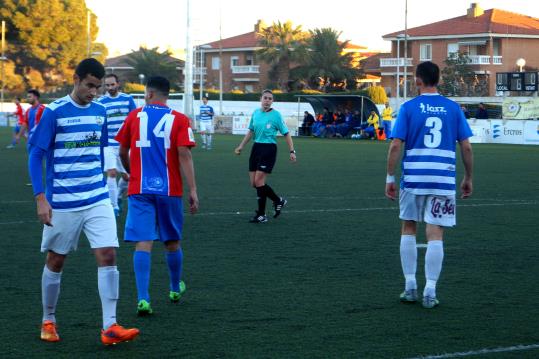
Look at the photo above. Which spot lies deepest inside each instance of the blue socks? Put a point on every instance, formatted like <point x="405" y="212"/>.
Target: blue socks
<point x="142" y="265"/>
<point x="174" y="262"/>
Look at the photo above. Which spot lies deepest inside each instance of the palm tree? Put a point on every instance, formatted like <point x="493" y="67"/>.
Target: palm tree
<point x="326" y="63"/>
<point x="151" y="62"/>
<point x="282" y="44"/>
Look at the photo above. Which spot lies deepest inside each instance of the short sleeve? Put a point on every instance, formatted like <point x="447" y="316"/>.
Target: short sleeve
<point x="184" y="135"/>
<point x="132" y="105"/>
<point x="124" y="133"/>
<point x="251" y="123"/>
<point x="104" y="131"/>
<point x="400" y="130"/>
<point x="281" y="126"/>
<point x="463" y="130"/>
<point x="44" y="134"/>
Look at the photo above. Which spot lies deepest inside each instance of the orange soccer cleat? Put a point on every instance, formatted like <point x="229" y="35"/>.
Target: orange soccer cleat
<point x="117" y="334"/>
<point x="48" y="331"/>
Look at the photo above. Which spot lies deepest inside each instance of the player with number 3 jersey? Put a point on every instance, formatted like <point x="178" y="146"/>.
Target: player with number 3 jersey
<point x="155" y="149"/>
<point x="429" y="126"/>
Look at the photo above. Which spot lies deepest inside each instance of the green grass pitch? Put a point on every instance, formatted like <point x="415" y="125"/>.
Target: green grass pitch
<point x="321" y="281"/>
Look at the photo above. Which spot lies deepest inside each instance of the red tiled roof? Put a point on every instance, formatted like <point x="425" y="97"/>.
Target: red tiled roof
<point x="494" y="21"/>
<point x="250" y="39"/>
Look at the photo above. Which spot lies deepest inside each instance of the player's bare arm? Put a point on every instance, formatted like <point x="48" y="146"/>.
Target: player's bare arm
<point x="246" y="139"/>
<point x="188" y="171"/>
<point x="466" y="186"/>
<point x="392" y="158"/>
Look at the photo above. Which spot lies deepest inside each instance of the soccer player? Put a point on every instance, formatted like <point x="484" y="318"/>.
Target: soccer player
<point x="71" y="136"/>
<point x="263" y="126"/>
<point x="18" y="130"/>
<point x="155" y="148"/>
<point x="34" y="113"/>
<point x="118" y="105"/>
<point x="206" y="123"/>
<point x="429" y="126"/>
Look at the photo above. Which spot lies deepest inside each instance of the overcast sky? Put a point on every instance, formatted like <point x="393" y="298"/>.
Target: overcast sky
<point x="126" y="24"/>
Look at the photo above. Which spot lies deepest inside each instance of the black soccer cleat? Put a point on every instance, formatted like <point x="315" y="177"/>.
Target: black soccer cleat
<point x="259" y="218"/>
<point x="279" y="206"/>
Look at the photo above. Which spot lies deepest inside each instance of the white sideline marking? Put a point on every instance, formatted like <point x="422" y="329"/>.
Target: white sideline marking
<point x="330" y="210"/>
<point x="513" y="348"/>
<point x="368" y="208"/>
<point x="421" y="245"/>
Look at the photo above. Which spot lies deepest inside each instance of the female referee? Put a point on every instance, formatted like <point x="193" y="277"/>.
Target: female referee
<point x="264" y="125"/>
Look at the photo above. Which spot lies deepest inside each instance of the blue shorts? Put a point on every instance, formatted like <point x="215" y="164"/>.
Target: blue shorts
<point x="153" y="217"/>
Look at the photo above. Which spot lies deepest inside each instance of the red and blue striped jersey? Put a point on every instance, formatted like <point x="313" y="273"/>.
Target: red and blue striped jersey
<point x="153" y="134"/>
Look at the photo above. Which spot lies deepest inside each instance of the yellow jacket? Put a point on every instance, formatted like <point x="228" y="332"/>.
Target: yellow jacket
<point x="373" y="120"/>
<point x="387" y="114"/>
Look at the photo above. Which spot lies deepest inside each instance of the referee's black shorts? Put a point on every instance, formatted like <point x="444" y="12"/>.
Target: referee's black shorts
<point x="263" y="157"/>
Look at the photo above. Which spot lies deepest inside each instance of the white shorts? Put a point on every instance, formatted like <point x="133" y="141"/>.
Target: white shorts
<point x="97" y="222"/>
<point x="431" y="209"/>
<point x="112" y="159"/>
<point x="206" y="126"/>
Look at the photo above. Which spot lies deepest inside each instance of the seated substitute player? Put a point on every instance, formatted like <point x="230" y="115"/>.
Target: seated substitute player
<point x="206" y="123"/>
<point x="155" y="143"/>
<point x="118" y="106"/>
<point x="264" y="125"/>
<point x="429" y="126"/>
<point x="71" y="136"/>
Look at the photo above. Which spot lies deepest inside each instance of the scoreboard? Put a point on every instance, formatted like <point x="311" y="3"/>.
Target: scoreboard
<point x="516" y="81"/>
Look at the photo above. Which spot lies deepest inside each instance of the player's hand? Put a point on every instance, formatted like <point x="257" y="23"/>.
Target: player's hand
<point x="466" y="188"/>
<point x="238" y="150"/>
<point x="391" y="191"/>
<point x="193" y="202"/>
<point x="44" y="210"/>
<point x="293" y="157"/>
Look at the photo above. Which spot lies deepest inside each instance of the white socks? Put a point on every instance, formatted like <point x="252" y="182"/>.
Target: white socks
<point x="433" y="266"/>
<point x="203" y="139"/>
<point x="113" y="191"/>
<point x="209" y="139"/>
<point x="50" y="291"/>
<point x="408" y="252"/>
<point x="108" y="283"/>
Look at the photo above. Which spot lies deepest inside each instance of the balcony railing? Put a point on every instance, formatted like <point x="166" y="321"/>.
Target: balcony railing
<point x="394" y="62"/>
<point x="252" y="69"/>
<point x="484" y="60"/>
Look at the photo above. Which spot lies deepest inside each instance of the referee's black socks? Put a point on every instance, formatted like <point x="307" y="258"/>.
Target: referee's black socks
<point x="271" y="195"/>
<point x="261" y="197"/>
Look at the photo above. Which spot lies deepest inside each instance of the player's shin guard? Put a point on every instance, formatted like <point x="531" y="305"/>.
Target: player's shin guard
<point x="50" y="291"/>
<point x="108" y="283"/>
<point x="408" y="251"/>
<point x="113" y="191"/>
<point x="433" y="266"/>
<point x="142" y="266"/>
<point x="261" y="197"/>
<point x="174" y="262"/>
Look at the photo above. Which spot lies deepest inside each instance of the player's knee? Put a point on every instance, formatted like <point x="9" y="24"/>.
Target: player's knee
<point x="55" y="261"/>
<point x="105" y="256"/>
<point x="172" y="246"/>
<point x="409" y="227"/>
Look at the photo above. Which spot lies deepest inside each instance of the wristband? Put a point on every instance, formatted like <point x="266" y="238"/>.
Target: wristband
<point x="293" y="151"/>
<point x="390" y="179"/>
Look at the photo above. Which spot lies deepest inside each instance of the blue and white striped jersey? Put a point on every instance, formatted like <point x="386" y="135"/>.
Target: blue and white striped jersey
<point x="117" y="110"/>
<point x="430" y="125"/>
<point x="73" y="137"/>
<point x="206" y="113"/>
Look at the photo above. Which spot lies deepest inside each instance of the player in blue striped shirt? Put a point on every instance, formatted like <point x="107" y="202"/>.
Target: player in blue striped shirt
<point x="206" y="123"/>
<point x="429" y="126"/>
<point x="118" y="106"/>
<point x="71" y="136"/>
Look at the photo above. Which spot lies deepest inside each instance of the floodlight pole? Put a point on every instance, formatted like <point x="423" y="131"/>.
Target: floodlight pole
<point x="220" y="63"/>
<point x="188" y="71"/>
<point x="88" y="39"/>
<point x="405" y="47"/>
<point x="2" y="60"/>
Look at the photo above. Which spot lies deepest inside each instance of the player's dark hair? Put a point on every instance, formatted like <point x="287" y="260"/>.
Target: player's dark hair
<point x="159" y="84"/>
<point x="267" y="91"/>
<point x="112" y="75"/>
<point x="18" y="99"/>
<point x="429" y="73"/>
<point x="90" y="66"/>
<point x="204" y="97"/>
<point x="34" y="92"/>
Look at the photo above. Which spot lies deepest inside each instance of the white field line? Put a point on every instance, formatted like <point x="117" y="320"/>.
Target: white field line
<point x="513" y="348"/>
<point x="332" y="210"/>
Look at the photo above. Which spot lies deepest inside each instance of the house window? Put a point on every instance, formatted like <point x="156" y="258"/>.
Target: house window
<point x="234" y="61"/>
<point x="249" y="60"/>
<point x="249" y="88"/>
<point x="452" y="49"/>
<point x="425" y="52"/>
<point x="215" y="63"/>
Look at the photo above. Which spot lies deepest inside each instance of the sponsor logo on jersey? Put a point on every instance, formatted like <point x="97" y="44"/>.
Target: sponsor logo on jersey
<point x="426" y="108"/>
